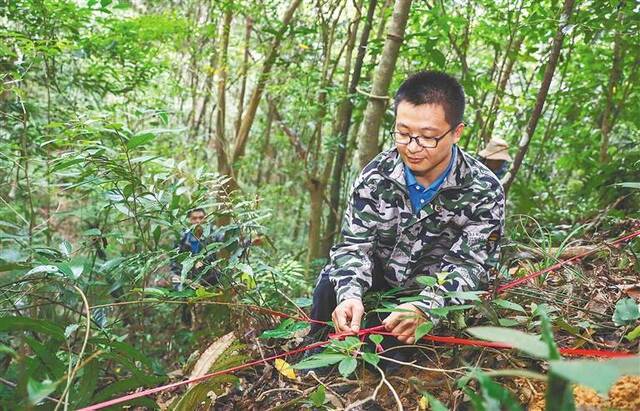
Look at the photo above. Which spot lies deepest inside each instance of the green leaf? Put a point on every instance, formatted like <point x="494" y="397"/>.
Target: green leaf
<point x="39" y="390"/>
<point x="530" y="344"/>
<point x="443" y="311"/>
<point x="61" y="165"/>
<point x="153" y="292"/>
<point x="50" y="269"/>
<point x="319" y="360"/>
<point x="626" y="312"/>
<point x="509" y="305"/>
<point x="70" y="329"/>
<point x="30" y="324"/>
<point x="318" y="396"/>
<point x="347" y="366"/>
<point x="437" y="58"/>
<point x="66" y="270"/>
<point x="286" y="329"/>
<point x="376" y="338"/>
<point x="634" y="334"/>
<point x="423" y="329"/>
<point x="140" y="139"/>
<point x="507" y="322"/>
<point x="92" y="232"/>
<point x="596" y="374"/>
<point x="426" y="280"/>
<point x="443" y="277"/>
<point x="371" y="358"/>
<point x="303" y="302"/>
<point x="65" y="248"/>
<point x="5" y="349"/>
<point x="434" y="403"/>
<point x="629" y="185"/>
<point x="495" y="396"/>
<point x="87" y="383"/>
<point x="547" y="337"/>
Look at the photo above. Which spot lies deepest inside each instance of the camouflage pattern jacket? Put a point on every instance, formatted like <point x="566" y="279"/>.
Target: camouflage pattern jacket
<point x="457" y="232"/>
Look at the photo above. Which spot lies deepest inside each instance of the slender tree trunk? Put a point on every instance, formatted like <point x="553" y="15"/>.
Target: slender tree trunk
<point x="614" y="79"/>
<point x="224" y="167"/>
<point x="316" y="180"/>
<point x="207" y="97"/>
<point x="243" y="74"/>
<point x="368" y="147"/>
<point x="511" y="58"/>
<point x="554" y="117"/>
<point x="250" y="112"/>
<point x="264" y="152"/>
<point x="344" y="123"/>
<point x="478" y="122"/>
<point x="542" y="94"/>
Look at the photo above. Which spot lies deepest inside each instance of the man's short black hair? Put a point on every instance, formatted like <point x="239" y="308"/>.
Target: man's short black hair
<point x="433" y="87"/>
<point x="195" y="210"/>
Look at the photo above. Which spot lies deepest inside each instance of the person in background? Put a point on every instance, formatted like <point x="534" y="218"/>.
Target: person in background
<point x="496" y="156"/>
<point x="195" y="242"/>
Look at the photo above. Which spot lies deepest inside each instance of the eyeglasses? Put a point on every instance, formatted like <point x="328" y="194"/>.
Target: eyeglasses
<point x="422" y="141"/>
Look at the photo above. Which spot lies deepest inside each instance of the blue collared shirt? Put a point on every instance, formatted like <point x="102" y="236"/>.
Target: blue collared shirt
<point x="418" y="194"/>
<point x="194" y="243"/>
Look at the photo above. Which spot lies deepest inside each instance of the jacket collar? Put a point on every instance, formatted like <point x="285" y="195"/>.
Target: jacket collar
<point x="461" y="175"/>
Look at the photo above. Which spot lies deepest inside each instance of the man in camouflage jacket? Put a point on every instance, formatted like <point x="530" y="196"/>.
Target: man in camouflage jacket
<point x="416" y="210"/>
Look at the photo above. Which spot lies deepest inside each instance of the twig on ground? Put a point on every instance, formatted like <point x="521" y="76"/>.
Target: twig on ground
<point x="383" y="380"/>
<point x="265" y="393"/>
<point x="410" y="364"/>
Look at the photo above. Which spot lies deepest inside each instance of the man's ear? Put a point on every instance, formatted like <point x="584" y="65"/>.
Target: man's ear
<point x="457" y="133"/>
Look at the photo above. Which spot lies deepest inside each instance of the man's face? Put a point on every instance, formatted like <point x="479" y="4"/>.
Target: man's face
<point x="196" y="218"/>
<point x="426" y="120"/>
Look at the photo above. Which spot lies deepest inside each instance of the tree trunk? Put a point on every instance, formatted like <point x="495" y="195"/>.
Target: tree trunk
<point x="224" y="167"/>
<point x="478" y="122"/>
<point x="368" y="136"/>
<point x="316" y="188"/>
<point x="243" y="73"/>
<point x="344" y="123"/>
<point x="542" y="94"/>
<point x="250" y="112"/>
<point x="614" y="78"/>
<point x="264" y="152"/>
<point x="316" y="180"/>
<point x="510" y="58"/>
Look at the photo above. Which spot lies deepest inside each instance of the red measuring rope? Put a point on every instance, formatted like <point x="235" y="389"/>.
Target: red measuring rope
<point x="378" y="330"/>
<point x="150" y="391"/>
<point x="554" y="267"/>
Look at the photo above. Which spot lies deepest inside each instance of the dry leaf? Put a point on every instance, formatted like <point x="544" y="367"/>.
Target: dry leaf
<point x="285" y="369"/>
<point x="211" y="355"/>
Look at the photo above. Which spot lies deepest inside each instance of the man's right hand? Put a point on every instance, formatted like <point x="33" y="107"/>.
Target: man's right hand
<point x="347" y="315"/>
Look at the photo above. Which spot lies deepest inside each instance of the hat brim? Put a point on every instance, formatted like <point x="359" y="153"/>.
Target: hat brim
<point x="496" y="155"/>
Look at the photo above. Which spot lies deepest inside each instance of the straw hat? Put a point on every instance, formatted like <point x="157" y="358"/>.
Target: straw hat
<point x="496" y="149"/>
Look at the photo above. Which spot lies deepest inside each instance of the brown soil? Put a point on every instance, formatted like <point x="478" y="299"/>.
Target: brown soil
<point x="624" y="395"/>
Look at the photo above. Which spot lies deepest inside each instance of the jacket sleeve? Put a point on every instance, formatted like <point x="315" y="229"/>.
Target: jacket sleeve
<point x="473" y="255"/>
<point x="351" y="263"/>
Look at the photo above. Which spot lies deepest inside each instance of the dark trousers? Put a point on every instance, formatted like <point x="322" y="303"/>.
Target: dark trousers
<point x="324" y="302"/>
<point x="324" y="298"/>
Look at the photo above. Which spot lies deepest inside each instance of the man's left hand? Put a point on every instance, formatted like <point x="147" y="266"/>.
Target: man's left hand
<point x="403" y="323"/>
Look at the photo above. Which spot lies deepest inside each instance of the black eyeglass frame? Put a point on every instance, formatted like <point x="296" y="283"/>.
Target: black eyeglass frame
<point x="394" y="134"/>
